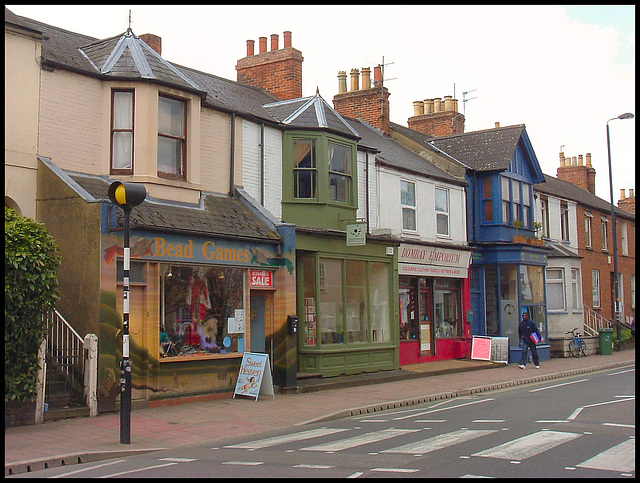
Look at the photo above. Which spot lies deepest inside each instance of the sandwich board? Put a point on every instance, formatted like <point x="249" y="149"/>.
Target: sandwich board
<point x="254" y="377"/>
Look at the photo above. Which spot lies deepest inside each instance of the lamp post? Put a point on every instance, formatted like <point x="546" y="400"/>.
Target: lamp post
<point x="616" y="298"/>
<point x="126" y="196"/>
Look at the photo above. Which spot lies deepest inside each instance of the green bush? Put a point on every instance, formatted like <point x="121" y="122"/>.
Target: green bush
<point x="31" y="289"/>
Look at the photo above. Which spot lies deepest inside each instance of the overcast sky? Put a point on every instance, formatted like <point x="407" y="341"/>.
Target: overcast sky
<point x="562" y="71"/>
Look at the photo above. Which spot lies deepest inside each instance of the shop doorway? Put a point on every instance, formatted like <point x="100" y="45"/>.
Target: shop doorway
<point x="261" y="320"/>
<point x="427" y="342"/>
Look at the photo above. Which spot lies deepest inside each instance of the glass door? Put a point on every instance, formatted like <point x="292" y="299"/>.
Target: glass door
<point x="427" y="342"/>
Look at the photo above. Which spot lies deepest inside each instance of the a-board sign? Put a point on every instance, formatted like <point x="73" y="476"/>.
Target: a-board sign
<point x="481" y="348"/>
<point x="254" y="377"/>
<point x="500" y="349"/>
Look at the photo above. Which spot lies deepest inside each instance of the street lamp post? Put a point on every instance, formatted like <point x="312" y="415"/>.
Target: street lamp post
<point x="616" y="298"/>
<point x="126" y="196"/>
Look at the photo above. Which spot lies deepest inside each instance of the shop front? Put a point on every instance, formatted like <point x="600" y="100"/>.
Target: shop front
<point x="434" y="303"/>
<point x="197" y="303"/>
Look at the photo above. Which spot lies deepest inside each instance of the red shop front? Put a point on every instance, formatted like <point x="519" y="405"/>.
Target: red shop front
<point x="434" y="298"/>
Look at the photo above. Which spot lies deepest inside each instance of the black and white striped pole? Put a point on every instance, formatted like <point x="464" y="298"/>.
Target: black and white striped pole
<point x="126" y="196"/>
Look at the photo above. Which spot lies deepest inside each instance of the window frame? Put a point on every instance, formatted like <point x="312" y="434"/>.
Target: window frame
<point x="564" y="221"/>
<point x="553" y="284"/>
<point x="311" y="170"/>
<point x="487" y="199"/>
<point x="588" y="230"/>
<point x="544" y="208"/>
<point x="183" y="139"/>
<point x="114" y="131"/>
<point x="505" y="185"/>
<point x="346" y="175"/>
<point x="596" y="296"/>
<point x="404" y="206"/>
<point x="440" y="213"/>
<point x="624" y="242"/>
<point x="576" y="293"/>
<point x="605" y="234"/>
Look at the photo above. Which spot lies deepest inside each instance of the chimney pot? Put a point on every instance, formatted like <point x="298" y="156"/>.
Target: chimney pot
<point x="437" y="104"/>
<point x="561" y="158"/>
<point x="366" y="78"/>
<point x="574" y="161"/>
<point x="418" y="108"/>
<point x="580" y="163"/>
<point x="497" y="124"/>
<point x="263" y="44"/>
<point x="428" y="106"/>
<point x="355" y="80"/>
<point x="448" y="103"/>
<point x="377" y="76"/>
<point x="631" y="193"/>
<point x="589" y="160"/>
<point x="455" y="105"/>
<point x="622" y="194"/>
<point x="287" y="39"/>
<point x="274" y="41"/>
<point x="342" y="82"/>
<point x="250" y="46"/>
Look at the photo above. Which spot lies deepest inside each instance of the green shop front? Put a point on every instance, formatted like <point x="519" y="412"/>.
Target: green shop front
<point x="345" y="304"/>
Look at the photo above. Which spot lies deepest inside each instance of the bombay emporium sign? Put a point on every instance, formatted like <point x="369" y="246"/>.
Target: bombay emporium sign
<point x="433" y="261"/>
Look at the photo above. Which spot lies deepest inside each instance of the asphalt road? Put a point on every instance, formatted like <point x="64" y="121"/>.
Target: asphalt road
<point x="575" y="427"/>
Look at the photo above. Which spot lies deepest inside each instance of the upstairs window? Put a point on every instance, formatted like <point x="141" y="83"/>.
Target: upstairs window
<point x="442" y="212"/>
<point x="408" y="202"/>
<point x="506" y="200"/>
<point x="587" y="230"/>
<point x="339" y="172"/>
<point x="517" y="207"/>
<point x="526" y="204"/>
<point x="544" y="207"/>
<point x="172" y="138"/>
<point x="564" y="220"/>
<point x="605" y="236"/>
<point x="305" y="170"/>
<point x="576" y="296"/>
<point x="488" y="199"/>
<point x="624" y="239"/>
<point x="122" y="132"/>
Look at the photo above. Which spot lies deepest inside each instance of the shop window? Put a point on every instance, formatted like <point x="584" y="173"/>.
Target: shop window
<point x="351" y="304"/>
<point x="595" y="288"/>
<point x="409" y="324"/>
<point x="172" y="137"/>
<point x="202" y="309"/>
<point x="305" y="173"/>
<point x="555" y="289"/>
<point x="509" y="313"/>
<point x="531" y="284"/>
<point x="122" y="132"/>
<point x="137" y="272"/>
<point x="447" y="312"/>
<point x="442" y="212"/>
<point x="408" y="202"/>
<point x="492" y="300"/>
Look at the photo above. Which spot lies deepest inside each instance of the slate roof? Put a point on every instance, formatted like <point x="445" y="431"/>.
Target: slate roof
<point x="216" y="215"/>
<point x="135" y="60"/>
<point x="310" y="113"/>
<point x="486" y="150"/>
<point x="394" y="154"/>
<point x="566" y="190"/>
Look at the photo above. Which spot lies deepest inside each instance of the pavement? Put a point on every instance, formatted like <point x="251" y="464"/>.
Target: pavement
<point x="85" y="439"/>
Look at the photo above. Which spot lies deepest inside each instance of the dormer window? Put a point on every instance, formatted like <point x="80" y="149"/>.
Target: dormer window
<point x="172" y="137"/>
<point x="122" y="132"/>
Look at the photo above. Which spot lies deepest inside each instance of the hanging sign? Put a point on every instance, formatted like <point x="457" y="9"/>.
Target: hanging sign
<point x="254" y="377"/>
<point x="356" y="234"/>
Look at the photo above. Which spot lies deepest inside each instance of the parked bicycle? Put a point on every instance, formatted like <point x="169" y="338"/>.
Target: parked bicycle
<point x="577" y="346"/>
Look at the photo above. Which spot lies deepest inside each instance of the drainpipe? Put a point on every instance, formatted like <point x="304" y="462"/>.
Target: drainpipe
<point x="366" y="189"/>
<point x="262" y="164"/>
<point x="233" y="154"/>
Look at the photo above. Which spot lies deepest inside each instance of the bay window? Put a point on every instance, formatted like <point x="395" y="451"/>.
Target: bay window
<point x="172" y="138"/>
<point x="122" y="102"/>
<point x="339" y="172"/>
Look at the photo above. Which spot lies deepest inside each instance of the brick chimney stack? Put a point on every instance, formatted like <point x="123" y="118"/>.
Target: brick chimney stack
<point x="369" y="102"/>
<point x="437" y="117"/>
<point x="153" y="41"/>
<point x="627" y="204"/>
<point x="279" y="71"/>
<point x="575" y="171"/>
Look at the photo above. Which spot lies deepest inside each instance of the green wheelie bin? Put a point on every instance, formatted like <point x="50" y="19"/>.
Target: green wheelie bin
<point x="606" y="341"/>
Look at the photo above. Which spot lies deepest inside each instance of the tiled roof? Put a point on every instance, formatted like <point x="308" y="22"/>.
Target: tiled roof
<point x="216" y="215"/>
<point x="310" y="113"/>
<point x="487" y="150"/>
<point x="569" y="191"/>
<point x="393" y="154"/>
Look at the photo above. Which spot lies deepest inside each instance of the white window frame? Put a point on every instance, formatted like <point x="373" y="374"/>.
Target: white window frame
<point x="564" y="221"/>
<point x="544" y="208"/>
<point x="576" y="295"/>
<point x="180" y="137"/>
<point x="440" y="213"/>
<point x="407" y="206"/>
<point x="624" y="239"/>
<point x="605" y="234"/>
<point x="595" y="289"/>
<point x="588" y="232"/>
<point x="555" y="285"/>
<point x="506" y="200"/>
<point x="633" y="291"/>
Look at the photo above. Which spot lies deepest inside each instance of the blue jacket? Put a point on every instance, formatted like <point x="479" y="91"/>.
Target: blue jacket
<point x="526" y="328"/>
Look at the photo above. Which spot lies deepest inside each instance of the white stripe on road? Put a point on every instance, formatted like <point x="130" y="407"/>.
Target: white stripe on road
<point x="621" y="372"/>
<point x="138" y="470"/>
<point x="359" y="440"/>
<point x="527" y="446"/>
<point x="243" y="463"/>
<point x="621" y="457"/>
<point x="287" y="438"/>
<point x="620" y="425"/>
<point x="86" y="469"/>
<point x="557" y="385"/>
<point x="445" y="409"/>
<point x="314" y="467"/>
<point x="440" y="441"/>
<point x="396" y="470"/>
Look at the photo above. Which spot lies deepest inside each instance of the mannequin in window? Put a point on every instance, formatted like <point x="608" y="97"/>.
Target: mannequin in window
<point x="198" y="300"/>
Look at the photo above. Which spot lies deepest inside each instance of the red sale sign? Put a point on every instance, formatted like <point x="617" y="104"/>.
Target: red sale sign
<point x="261" y="278"/>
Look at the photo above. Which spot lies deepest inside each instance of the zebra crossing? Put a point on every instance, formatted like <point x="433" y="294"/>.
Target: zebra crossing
<point x="619" y="458"/>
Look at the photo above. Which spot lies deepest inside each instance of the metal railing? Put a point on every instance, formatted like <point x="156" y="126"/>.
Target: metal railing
<point x="593" y="322"/>
<point x="65" y="360"/>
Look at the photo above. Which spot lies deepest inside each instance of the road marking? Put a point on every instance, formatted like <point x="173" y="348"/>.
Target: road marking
<point x="359" y="440"/>
<point x="620" y="425"/>
<point x="374" y="420"/>
<point x="314" y="467"/>
<point x="557" y="385"/>
<point x="87" y="469"/>
<point x="440" y="441"/>
<point x="178" y="460"/>
<point x="445" y="409"/>
<point x="396" y="470"/>
<point x="621" y="372"/>
<point x="138" y="470"/>
<point x="356" y="474"/>
<point x="552" y="421"/>
<point x="431" y="421"/>
<point x="287" y="438"/>
<point x="488" y="421"/>
<point x="243" y="463"/>
<point x="527" y="446"/>
<point x="621" y="457"/>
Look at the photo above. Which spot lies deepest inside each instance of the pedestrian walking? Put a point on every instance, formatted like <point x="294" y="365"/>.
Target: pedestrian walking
<point x="530" y="336"/>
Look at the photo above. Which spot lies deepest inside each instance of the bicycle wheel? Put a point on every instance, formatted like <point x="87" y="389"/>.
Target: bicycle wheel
<point x="583" y="346"/>
<point x="574" y="349"/>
